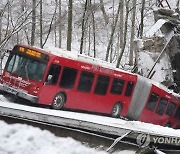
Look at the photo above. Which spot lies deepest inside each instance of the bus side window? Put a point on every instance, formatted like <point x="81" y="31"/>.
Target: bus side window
<point x="152" y="102"/>
<point x="161" y="106"/>
<point x="129" y="89"/>
<point x="177" y="114"/>
<point x="68" y="78"/>
<point x="54" y="73"/>
<point x="117" y="86"/>
<point x="102" y="85"/>
<point x="85" y="81"/>
<point x="170" y="109"/>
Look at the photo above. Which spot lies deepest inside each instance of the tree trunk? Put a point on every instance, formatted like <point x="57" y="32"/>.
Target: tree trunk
<point x="132" y="34"/>
<point x="69" y="31"/>
<point x="142" y="19"/>
<point x="33" y="30"/>
<point x="125" y="35"/>
<point x="83" y="27"/>
<point x="177" y="4"/>
<point x="94" y="32"/>
<point x="106" y="18"/>
<point x="1" y="14"/>
<point x="112" y="32"/>
<point x="50" y="26"/>
<point x="60" y="25"/>
<point x="121" y="26"/>
<point x="41" y="24"/>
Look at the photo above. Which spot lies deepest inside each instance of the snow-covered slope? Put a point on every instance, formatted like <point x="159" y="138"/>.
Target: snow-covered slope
<point x="23" y="139"/>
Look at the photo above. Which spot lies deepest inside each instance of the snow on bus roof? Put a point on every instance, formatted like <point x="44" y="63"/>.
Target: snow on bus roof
<point x="161" y="86"/>
<point x="83" y="58"/>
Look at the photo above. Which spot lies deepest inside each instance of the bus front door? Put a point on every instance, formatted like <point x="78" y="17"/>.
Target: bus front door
<point x="50" y="87"/>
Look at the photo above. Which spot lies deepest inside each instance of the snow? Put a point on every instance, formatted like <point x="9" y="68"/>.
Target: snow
<point x="152" y="31"/>
<point x="162" y="68"/>
<point x="68" y="54"/>
<point x="20" y="139"/>
<point x="83" y="58"/>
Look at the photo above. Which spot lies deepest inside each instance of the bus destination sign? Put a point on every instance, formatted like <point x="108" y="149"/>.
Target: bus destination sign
<point x="30" y="52"/>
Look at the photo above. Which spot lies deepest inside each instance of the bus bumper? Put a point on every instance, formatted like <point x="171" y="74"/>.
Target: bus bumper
<point x="18" y="92"/>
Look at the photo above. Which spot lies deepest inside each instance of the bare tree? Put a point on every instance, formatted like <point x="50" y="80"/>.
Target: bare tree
<point x="142" y="19"/>
<point x="41" y="23"/>
<point x="69" y="31"/>
<point x="121" y="26"/>
<point x="106" y="18"/>
<point x="60" y="24"/>
<point x="94" y="29"/>
<point x="1" y="15"/>
<point x="50" y="25"/>
<point x="132" y="34"/>
<point x="113" y="31"/>
<point x="33" y="30"/>
<point x="125" y="34"/>
<point x="17" y="24"/>
<point x="83" y="26"/>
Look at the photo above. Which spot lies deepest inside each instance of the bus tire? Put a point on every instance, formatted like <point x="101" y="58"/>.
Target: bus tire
<point x="168" y="125"/>
<point x="59" y="101"/>
<point x="116" y="110"/>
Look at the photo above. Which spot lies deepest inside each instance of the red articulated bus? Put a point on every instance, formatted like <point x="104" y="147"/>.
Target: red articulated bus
<point x="155" y="104"/>
<point x="62" y="79"/>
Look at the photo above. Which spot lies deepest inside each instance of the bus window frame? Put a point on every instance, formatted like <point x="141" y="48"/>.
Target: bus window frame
<point x="159" y="110"/>
<point x="62" y="80"/>
<point x="150" y="108"/>
<point x="167" y="109"/>
<point x="126" y="93"/>
<point x="114" y="92"/>
<point x="49" y="78"/>
<point x="177" y="113"/>
<point x="97" y="92"/>
<point x="80" y="89"/>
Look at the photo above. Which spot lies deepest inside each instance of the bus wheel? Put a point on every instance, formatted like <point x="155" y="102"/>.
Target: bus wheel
<point x="116" y="110"/>
<point x="168" y="125"/>
<point x="58" y="102"/>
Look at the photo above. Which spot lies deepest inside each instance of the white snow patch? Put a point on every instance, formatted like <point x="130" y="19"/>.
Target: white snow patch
<point x="152" y="31"/>
<point x="24" y="139"/>
<point x="162" y="68"/>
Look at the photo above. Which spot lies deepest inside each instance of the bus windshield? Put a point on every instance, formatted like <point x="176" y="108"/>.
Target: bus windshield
<point x="26" y="67"/>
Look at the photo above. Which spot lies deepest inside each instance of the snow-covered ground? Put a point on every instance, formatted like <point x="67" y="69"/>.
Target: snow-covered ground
<point x="24" y="139"/>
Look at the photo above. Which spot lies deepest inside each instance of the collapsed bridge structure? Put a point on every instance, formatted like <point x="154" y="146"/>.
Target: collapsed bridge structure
<point x="161" y="46"/>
